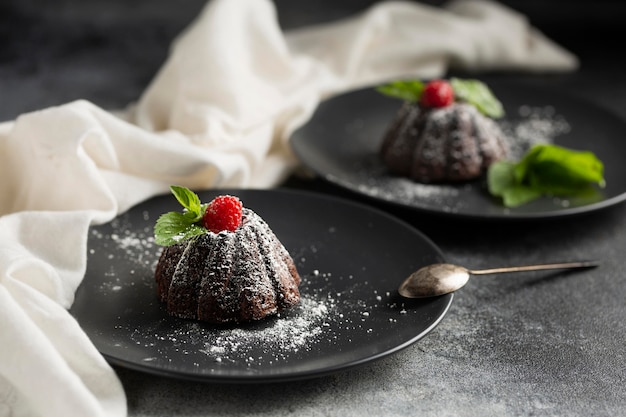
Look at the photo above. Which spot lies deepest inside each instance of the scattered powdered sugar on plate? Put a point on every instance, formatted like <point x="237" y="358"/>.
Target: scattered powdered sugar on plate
<point x="370" y="177"/>
<point x="320" y="319"/>
<point x="535" y="125"/>
<point x="266" y="342"/>
<point x="128" y="245"/>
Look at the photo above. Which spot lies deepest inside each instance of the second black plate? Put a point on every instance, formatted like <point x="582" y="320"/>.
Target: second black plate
<point x="341" y="141"/>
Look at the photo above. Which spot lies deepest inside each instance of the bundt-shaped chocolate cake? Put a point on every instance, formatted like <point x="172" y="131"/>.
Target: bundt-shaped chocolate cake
<point x="229" y="276"/>
<point x="449" y="141"/>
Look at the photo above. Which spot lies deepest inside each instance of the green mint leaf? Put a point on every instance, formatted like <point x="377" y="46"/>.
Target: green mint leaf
<point x="519" y="195"/>
<point x="500" y="177"/>
<point x="405" y="90"/>
<point x="546" y="170"/>
<point x="189" y="200"/>
<point x="501" y="182"/>
<point x="477" y="93"/>
<point x="173" y="227"/>
<point x="558" y="170"/>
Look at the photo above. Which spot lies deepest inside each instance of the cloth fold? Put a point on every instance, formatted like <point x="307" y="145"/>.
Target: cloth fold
<point x="219" y="113"/>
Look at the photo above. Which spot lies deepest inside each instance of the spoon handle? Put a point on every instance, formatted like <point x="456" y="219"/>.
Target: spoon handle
<point x="540" y="267"/>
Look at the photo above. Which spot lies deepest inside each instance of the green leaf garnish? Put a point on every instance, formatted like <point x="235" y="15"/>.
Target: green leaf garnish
<point x="545" y="170"/>
<point x="479" y="95"/>
<point x="172" y="228"/>
<point x="502" y="183"/>
<point x="189" y="200"/>
<point x="175" y="227"/>
<point x="474" y="92"/>
<point x="405" y="90"/>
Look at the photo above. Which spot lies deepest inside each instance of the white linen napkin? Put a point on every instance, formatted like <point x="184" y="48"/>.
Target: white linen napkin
<point x="218" y="114"/>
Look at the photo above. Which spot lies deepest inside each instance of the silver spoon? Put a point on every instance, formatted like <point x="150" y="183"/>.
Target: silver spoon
<point x="440" y="279"/>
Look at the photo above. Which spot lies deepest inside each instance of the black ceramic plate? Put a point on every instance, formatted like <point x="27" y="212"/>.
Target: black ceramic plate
<point x="351" y="259"/>
<point x="341" y="141"/>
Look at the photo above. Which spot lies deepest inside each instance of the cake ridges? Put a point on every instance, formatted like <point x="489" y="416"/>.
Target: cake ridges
<point x="228" y="276"/>
<point x="447" y="144"/>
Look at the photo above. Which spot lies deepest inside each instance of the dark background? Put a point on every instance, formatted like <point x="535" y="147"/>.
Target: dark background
<point x="528" y="346"/>
<point x="52" y="52"/>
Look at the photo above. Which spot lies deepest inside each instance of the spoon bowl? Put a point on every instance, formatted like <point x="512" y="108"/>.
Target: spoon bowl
<point x="440" y="279"/>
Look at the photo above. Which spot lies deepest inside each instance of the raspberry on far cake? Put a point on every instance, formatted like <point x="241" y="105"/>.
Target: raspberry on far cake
<point x="222" y="263"/>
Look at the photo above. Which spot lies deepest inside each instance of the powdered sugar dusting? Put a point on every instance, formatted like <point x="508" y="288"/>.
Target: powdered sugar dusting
<point x="286" y="335"/>
<point x="535" y="125"/>
<point x="128" y="245"/>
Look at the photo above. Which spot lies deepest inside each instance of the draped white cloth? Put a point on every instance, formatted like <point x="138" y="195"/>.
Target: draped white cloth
<point x="219" y="113"/>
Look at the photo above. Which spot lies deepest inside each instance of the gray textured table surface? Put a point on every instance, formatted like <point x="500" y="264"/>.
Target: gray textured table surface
<point x="525" y="346"/>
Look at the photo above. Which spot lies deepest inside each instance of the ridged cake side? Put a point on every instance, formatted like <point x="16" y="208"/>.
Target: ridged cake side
<point x="448" y="144"/>
<point x="228" y="276"/>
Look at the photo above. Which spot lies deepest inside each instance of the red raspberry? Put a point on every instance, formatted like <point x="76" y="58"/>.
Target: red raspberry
<point x="437" y="93"/>
<point x="223" y="213"/>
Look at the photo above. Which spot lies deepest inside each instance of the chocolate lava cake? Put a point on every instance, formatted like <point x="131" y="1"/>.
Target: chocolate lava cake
<point x="229" y="276"/>
<point x="446" y="143"/>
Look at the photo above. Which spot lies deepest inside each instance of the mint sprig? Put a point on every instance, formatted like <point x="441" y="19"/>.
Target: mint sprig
<point x="406" y="90"/>
<point x="545" y="170"/>
<point x="473" y="92"/>
<point x="175" y="227"/>
<point x="479" y="95"/>
<point x="189" y="200"/>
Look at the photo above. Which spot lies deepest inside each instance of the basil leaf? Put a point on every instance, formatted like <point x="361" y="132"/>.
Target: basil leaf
<point x="405" y="90"/>
<point x="189" y="200"/>
<point x="173" y="227"/>
<point x="477" y="93"/>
